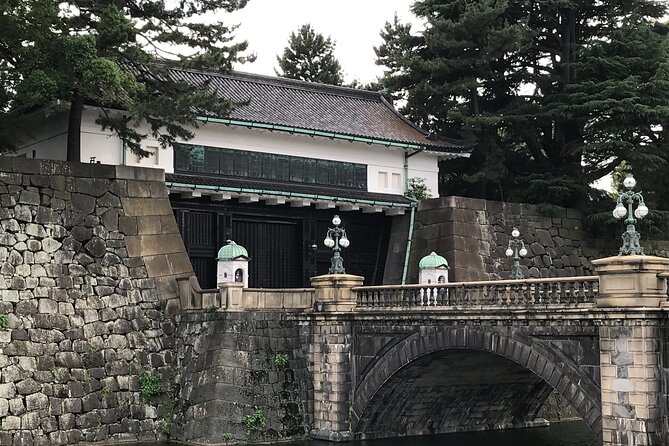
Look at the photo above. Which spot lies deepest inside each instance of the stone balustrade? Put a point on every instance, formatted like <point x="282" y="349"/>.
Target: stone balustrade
<point x="529" y="292"/>
<point x="233" y="296"/>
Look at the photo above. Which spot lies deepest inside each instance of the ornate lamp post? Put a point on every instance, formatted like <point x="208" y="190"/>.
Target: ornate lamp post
<point x="516" y="250"/>
<point x="336" y="239"/>
<point x="631" y="238"/>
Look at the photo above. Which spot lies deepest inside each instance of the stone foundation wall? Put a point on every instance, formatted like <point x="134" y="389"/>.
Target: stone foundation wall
<point x="237" y="364"/>
<point x="473" y="235"/>
<point x="88" y="255"/>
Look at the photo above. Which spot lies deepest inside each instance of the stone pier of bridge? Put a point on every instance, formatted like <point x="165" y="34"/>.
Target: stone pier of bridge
<point x="383" y="363"/>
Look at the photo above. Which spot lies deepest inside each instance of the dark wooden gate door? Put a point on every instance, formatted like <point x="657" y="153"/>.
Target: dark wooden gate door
<point x="275" y="248"/>
<point x="199" y="233"/>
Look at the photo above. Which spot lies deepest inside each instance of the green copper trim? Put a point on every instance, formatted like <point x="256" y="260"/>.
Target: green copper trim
<point x="290" y="194"/>
<point x="232" y="250"/>
<point x="283" y="128"/>
<point x="432" y="260"/>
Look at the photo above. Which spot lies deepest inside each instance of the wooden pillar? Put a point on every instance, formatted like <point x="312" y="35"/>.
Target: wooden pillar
<point x="331" y="350"/>
<point x="633" y="301"/>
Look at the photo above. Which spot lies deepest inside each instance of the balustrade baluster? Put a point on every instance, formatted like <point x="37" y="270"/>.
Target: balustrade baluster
<point x="581" y="291"/>
<point x="535" y="293"/>
<point x="522" y="294"/>
<point x="506" y="296"/>
<point x="499" y="292"/>
<point x="575" y="293"/>
<point x="591" y="290"/>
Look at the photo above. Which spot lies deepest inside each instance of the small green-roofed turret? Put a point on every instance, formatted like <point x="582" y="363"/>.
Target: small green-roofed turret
<point x="232" y="250"/>
<point x="433" y="260"/>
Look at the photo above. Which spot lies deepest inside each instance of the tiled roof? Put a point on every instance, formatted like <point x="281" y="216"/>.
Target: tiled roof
<point x="286" y="188"/>
<point x="312" y="106"/>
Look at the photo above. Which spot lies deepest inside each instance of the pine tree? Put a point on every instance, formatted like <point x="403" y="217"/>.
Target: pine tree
<point x="555" y="93"/>
<point x="115" y="55"/>
<point x="309" y="56"/>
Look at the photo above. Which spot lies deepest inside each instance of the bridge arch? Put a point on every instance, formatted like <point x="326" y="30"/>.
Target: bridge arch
<point x="539" y="357"/>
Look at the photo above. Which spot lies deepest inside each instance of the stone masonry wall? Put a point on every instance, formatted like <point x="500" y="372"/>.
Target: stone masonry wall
<point x="632" y="394"/>
<point x="473" y="235"/>
<point x="88" y="255"/>
<point x="232" y="367"/>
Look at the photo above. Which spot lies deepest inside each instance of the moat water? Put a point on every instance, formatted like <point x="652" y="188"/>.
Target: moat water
<point x="570" y="433"/>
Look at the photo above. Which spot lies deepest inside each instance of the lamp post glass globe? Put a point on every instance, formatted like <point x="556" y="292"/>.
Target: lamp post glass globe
<point x="328" y="242"/>
<point x="509" y="252"/>
<point x="522" y="252"/>
<point x="629" y="181"/>
<point x="344" y="242"/>
<point x="620" y="211"/>
<point x="515" y="233"/>
<point x="336" y="220"/>
<point x="641" y="211"/>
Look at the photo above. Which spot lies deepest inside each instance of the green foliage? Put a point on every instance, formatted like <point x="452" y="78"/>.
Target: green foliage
<point x="211" y="309"/>
<point x="114" y="55"/>
<point x="309" y="56"/>
<point x="418" y="190"/>
<point x="151" y="384"/>
<point x="556" y="94"/>
<point x="281" y="360"/>
<point x="254" y="422"/>
<point x="4" y="321"/>
<point x="228" y="437"/>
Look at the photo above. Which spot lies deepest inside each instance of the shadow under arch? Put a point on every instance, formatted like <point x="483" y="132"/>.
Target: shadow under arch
<point x="540" y="358"/>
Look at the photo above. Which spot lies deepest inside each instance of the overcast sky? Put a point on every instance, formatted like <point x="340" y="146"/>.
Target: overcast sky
<point x="353" y="24"/>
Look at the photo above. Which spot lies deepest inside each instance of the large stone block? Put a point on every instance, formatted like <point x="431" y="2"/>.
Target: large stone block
<point x="141" y="207"/>
<point x="150" y="245"/>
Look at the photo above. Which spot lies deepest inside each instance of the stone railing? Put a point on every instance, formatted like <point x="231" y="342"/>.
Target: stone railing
<point x="233" y="296"/>
<point x="530" y="292"/>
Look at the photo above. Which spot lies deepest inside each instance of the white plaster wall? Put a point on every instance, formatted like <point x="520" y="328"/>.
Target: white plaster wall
<point x="107" y="149"/>
<point x="424" y="165"/>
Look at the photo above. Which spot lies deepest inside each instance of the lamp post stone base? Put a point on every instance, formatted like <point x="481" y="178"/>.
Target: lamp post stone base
<point x="334" y="292"/>
<point x="632" y="281"/>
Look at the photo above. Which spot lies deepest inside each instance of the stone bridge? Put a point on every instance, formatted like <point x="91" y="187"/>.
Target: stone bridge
<point x="415" y="360"/>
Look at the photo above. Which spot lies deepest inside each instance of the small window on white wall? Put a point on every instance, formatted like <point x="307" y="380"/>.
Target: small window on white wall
<point x="383" y="180"/>
<point x="152" y="159"/>
<point x="397" y="181"/>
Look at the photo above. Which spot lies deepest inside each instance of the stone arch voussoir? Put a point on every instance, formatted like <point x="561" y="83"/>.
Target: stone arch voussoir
<point x="544" y="360"/>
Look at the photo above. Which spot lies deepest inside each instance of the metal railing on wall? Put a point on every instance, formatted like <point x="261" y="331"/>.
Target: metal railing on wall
<point x="528" y="292"/>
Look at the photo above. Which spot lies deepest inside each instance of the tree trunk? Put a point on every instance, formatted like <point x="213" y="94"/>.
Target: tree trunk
<point x="74" y="129"/>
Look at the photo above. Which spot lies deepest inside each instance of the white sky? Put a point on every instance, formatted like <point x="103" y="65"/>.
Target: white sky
<point x="353" y="24"/>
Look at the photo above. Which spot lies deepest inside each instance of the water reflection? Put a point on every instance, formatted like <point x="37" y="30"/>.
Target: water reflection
<point x="571" y="433"/>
